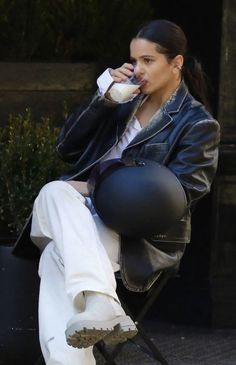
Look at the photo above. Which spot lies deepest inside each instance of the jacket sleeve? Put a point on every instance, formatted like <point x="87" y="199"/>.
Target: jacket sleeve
<point x="80" y="126"/>
<point x="195" y="160"/>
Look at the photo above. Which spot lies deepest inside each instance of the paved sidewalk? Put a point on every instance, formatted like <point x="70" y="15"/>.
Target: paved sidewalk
<point x="19" y="344"/>
<point x="180" y="345"/>
<point x="183" y="345"/>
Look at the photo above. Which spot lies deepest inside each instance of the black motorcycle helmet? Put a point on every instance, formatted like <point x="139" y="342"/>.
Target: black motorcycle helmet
<point x="138" y="197"/>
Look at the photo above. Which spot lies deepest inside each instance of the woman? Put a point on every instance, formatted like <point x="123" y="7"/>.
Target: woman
<point x="163" y="123"/>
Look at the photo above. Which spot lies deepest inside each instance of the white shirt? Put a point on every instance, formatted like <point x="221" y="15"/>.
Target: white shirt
<point x="103" y="82"/>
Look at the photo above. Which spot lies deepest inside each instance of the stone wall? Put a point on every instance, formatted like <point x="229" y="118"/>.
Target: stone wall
<point x="44" y="87"/>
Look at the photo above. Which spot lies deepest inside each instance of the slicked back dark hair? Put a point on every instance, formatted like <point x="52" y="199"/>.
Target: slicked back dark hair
<point x="171" y="41"/>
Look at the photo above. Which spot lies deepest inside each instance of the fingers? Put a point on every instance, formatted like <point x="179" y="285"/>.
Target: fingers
<point x="122" y="73"/>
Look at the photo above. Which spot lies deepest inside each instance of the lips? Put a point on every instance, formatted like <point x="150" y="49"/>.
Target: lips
<point x="143" y="82"/>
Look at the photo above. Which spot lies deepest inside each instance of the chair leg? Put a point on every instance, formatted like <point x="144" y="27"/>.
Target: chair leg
<point x="152" y="295"/>
<point x="108" y="356"/>
<point x="151" y="349"/>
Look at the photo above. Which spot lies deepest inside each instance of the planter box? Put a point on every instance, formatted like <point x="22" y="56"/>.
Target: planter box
<point x="18" y="309"/>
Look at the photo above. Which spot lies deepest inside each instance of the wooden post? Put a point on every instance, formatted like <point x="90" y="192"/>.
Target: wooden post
<point x="223" y="250"/>
<point x="227" y="89"/>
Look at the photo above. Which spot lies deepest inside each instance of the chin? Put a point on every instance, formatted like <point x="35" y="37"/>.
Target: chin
<point x="145" y="90"/>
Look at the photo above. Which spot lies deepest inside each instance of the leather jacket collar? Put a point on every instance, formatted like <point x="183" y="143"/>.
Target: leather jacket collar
<point x="162" y="118"/>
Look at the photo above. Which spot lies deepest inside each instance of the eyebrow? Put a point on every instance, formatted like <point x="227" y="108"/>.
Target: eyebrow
<point x="143" y="56"/>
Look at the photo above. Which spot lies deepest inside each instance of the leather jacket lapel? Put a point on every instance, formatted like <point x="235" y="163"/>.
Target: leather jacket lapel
<point x="160" y="121"/>
<point x="162" y="118"/>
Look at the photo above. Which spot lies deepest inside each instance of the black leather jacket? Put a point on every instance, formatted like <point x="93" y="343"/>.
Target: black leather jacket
<point x="183" y="136"/>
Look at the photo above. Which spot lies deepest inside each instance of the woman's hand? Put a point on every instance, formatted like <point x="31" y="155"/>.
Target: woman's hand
<point x="122" y="73"/>
<point x="80" y="186"/>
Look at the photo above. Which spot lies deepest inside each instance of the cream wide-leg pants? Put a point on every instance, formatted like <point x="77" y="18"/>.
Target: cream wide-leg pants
<point x="79" y="253"/>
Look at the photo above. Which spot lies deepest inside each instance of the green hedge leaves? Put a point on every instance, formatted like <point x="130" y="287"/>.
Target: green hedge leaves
<point x="28" y="160"/>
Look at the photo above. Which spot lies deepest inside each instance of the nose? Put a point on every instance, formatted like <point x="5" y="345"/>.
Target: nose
<point x="137" y="70"/>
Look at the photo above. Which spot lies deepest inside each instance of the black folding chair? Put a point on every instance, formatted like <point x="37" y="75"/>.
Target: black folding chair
<point x="149" y="347"/>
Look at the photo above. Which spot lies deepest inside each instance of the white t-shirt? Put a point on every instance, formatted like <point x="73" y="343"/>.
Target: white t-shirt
<point x="103" y="82"/>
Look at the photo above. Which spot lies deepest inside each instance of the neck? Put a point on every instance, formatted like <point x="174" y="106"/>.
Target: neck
<point x="160" y="98"/>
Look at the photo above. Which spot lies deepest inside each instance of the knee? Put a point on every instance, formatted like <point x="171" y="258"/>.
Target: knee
<point x="57" y="190"/>
<point x="52" y="190"/>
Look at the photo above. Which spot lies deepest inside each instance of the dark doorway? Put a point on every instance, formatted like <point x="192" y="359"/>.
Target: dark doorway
<point x="201" y="22"/>
<point x="187" y="299"/>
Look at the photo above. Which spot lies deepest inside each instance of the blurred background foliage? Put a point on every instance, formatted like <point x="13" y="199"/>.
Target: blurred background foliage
<point x="52" y="31"/>
<point x="69" y="30"/>
<point x="28" y="160"/>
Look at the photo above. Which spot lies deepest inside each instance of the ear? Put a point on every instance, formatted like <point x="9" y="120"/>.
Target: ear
<point x="177" y="62"/>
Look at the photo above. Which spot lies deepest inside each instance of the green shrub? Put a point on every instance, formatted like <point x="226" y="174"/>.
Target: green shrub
<point x="27" y="161"/>
<point x="69" y="30"/>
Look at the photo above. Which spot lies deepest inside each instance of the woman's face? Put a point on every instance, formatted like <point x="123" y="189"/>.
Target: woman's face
<point x="158" y="74"/>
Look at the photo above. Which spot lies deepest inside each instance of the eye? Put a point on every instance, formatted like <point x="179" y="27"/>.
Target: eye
<point x="147" y="61"/>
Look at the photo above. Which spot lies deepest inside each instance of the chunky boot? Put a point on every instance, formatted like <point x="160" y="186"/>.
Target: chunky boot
<point x="103" y="318"/>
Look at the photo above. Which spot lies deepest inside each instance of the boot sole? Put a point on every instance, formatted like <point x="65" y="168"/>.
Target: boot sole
<point x="121" y="333"/>
<point x="87" y="333"/>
